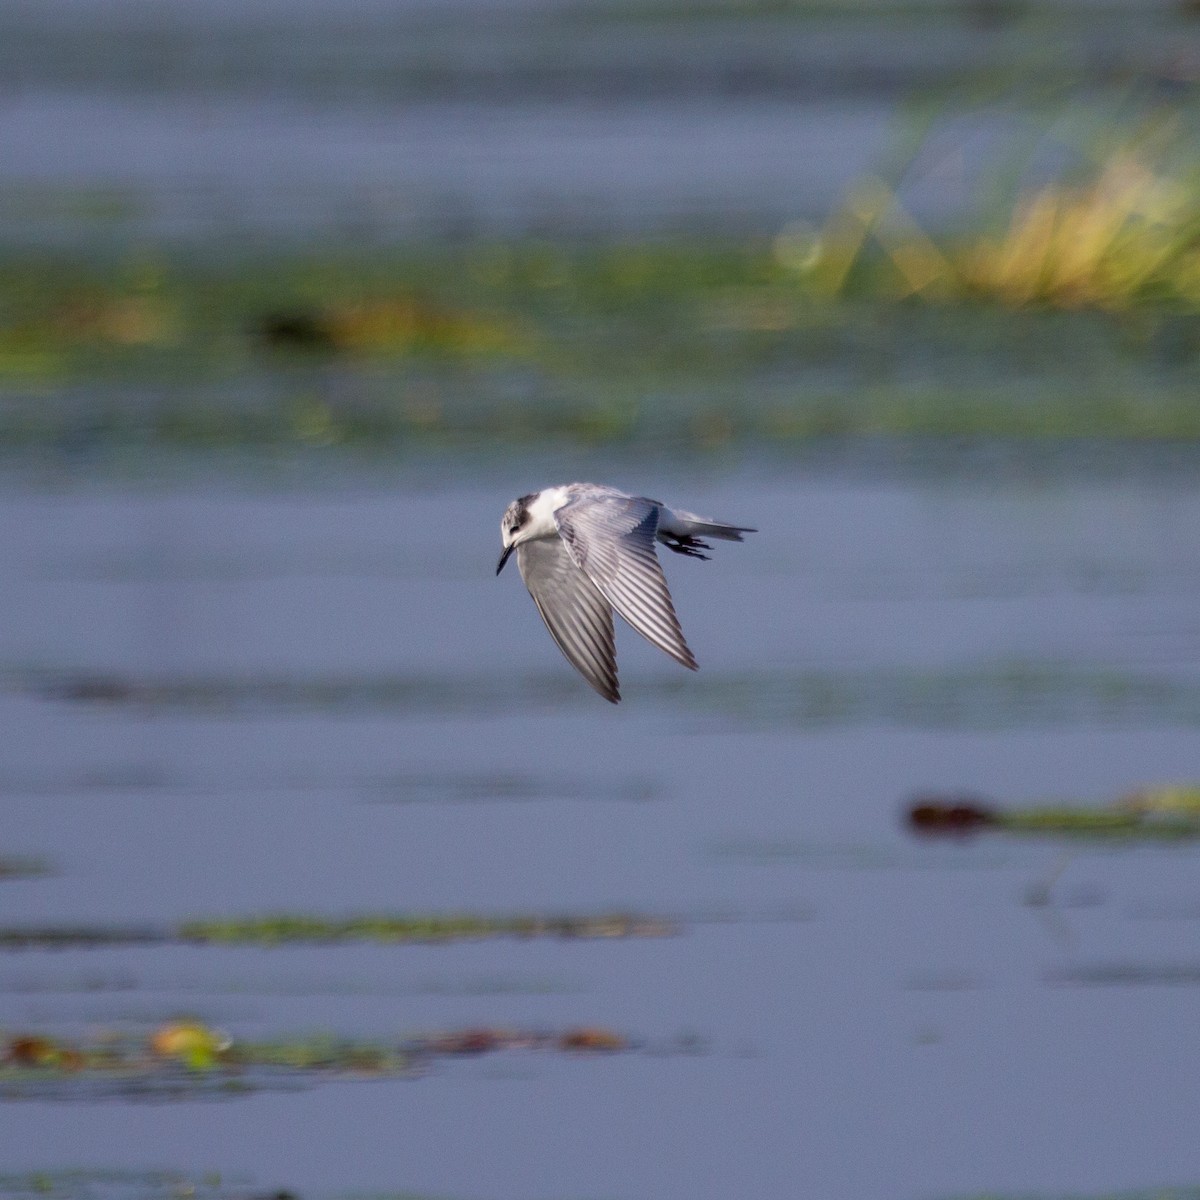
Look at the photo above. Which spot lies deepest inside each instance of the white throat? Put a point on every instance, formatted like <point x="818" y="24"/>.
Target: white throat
<point x="540" y="513"/>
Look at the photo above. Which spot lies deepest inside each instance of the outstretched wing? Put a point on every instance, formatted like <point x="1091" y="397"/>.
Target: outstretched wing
<point x="611" y="538"/>
<point x="578" y="616"/>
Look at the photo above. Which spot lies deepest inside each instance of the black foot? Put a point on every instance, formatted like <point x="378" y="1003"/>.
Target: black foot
<point x="685" y="545"/>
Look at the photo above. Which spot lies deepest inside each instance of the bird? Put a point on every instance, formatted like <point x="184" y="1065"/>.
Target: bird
<point x="585" y="549"/>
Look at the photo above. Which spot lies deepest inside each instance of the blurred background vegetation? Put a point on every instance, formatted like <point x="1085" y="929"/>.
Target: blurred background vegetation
<point x="673" y="226"/>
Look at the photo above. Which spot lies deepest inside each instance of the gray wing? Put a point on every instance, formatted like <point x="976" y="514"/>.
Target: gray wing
<point x="578" y="616"/>
<point x="611" y="537"/>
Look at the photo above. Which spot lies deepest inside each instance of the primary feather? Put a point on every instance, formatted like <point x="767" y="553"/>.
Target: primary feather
<point x="612" y="540"/>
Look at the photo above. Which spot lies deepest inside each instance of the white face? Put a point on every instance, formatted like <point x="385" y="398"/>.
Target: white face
<point x="518" y="519"/>
<point x="515" y="519"/>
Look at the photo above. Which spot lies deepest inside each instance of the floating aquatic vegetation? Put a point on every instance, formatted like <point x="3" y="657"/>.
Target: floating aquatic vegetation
<point x="1128" y="974"/>
<point x="81" y="1183"/>
<point x="273" y="930"/>
<point x="79" y="937"/>
<point x="190" y="1042"/>
<point x="1169" y="813"/>
<point x="95" y="1183"/>
<point x="1178" y="798"/>
<point x="89" y="1184"/>
<point x="181" y="1056"/>
<point x="387" y="928"/>
<point x="1152" y="1193"/>
<point x="21" y="867"/>
<point x="987" y="695"/>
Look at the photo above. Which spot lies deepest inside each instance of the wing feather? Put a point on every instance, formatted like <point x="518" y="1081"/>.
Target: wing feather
<point x="576" y="613"/>
<point x="611" y="539"/>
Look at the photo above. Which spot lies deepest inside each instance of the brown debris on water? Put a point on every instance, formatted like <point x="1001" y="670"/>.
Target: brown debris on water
<point x="468" y="1041"/>
<point x="26" y="1051"/>
<point x="939" y="816"/>
<point x="593" y="1038"/>
<point x="1159" y="813"/>
<point x="37" y="1052"/>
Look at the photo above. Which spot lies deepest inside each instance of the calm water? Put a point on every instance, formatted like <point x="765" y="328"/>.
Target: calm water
<point x="235" y="689"/>
<point x="847" y="1012"/>
<point x="452" y="117"/>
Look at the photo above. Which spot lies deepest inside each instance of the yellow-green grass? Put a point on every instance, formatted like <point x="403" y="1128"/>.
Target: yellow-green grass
<point x="1123" y="234"/>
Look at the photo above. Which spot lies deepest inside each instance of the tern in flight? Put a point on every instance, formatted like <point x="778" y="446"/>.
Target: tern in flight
<point x="583" y="550"/>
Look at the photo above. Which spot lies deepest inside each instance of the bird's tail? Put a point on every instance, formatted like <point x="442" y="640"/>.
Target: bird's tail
<point x="690" y="525"/>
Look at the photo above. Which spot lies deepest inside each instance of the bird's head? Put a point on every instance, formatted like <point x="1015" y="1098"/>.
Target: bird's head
<point x="514" y="528"/>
